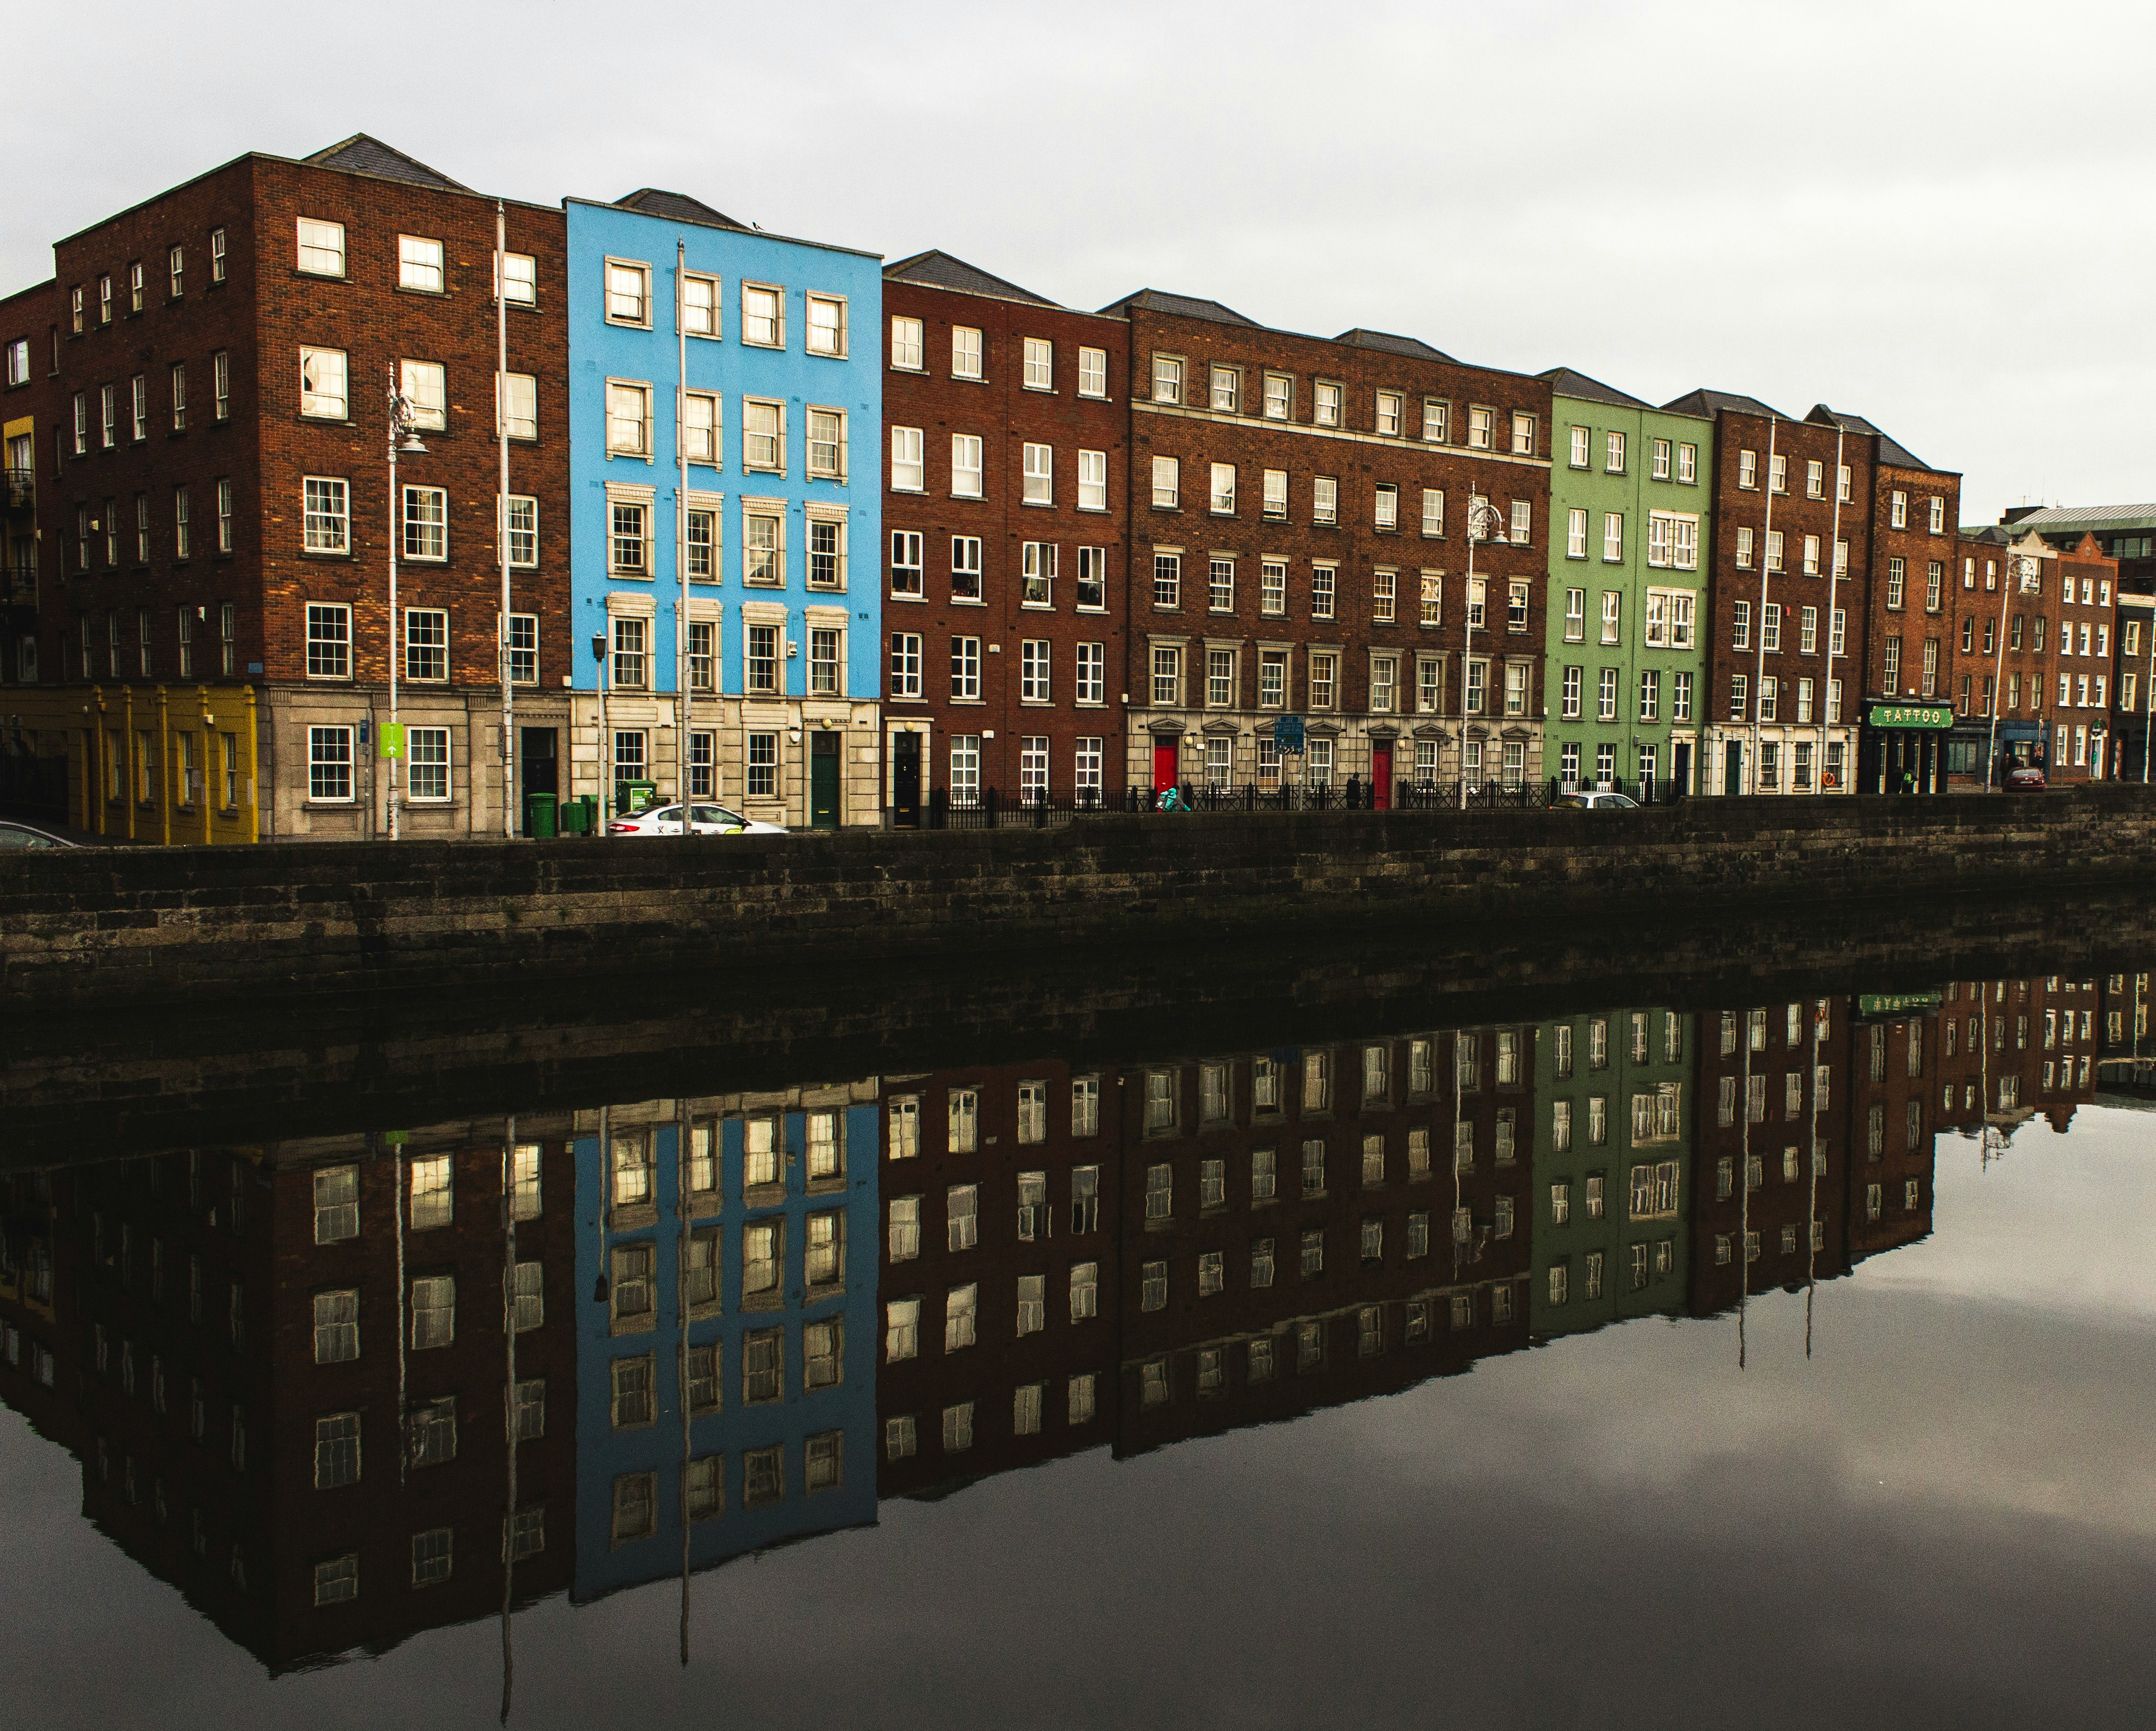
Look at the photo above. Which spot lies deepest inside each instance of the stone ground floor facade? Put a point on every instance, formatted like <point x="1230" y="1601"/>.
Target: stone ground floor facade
<point x="223" y="763"/>
<point x="807" y="763"/>
<point x="1235" y="749"/>
<point x="1653" y="759"/>
<point x="1782" y="759"/>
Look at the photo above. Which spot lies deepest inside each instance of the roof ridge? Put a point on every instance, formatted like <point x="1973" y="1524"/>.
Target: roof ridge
<point x="367" y="154"/>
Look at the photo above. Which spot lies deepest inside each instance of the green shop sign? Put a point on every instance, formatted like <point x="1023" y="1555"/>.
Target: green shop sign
<point x="1870" y="1005"/>
<point x="1938" y="716"/>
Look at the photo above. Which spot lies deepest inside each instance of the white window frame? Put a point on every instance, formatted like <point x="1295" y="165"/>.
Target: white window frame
<point x="749" y="321"/>
<point x="631" y="268"/>
<point x="828" y="340"/>
<point x="421" y="264"/>
<point x="320" y="398"/>
<point x="316" y="242"/>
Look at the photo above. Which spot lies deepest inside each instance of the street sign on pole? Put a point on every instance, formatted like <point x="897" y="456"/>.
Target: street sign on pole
<point x="1287" y="735"/>
<point x="392" y="738"/>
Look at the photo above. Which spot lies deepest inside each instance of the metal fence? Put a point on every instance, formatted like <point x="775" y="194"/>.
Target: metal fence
<point x="1041" y="809"/>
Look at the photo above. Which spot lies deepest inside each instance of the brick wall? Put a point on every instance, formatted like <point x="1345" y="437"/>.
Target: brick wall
<point x="377" y="324"/>
<point x="1360" y="459"/>
<point x="1917" y="611"/>
<point x="1740" y="581"/>
<point x="1007" y="416"/>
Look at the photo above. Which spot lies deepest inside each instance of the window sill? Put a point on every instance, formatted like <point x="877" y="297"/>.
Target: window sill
<point x="968" y="378"/>
<point x="329" y="804"/>
<point x="967" y="498"/>
<point x="911" y="600"/>
<point x="630" y="576"/>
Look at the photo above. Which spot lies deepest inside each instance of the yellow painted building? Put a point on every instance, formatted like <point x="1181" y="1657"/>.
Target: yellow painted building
<point x="172" y="764"/>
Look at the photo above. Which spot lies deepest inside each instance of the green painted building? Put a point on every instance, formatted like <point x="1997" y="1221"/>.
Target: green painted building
<point x="1613" y="1169"/>
<point x="1631" y="497"/>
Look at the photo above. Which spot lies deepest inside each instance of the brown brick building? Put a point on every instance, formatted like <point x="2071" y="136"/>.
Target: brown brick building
<point x="1773" y="1152"/>
<point x="999" y="1277"/>
<point x="1787" y="597"/>
<point x="2011" y="1049"/>
<point x="235" y="1349"/>
<point x="1306" y="1228"/>
<point x="211" y="431"/>
<point x="1006" y="488"/>
<point x="1910" y="646"/>
<point x="1896" y="1099"/>
<point x="1299" y="544"/>
<point x="27" y="438"/>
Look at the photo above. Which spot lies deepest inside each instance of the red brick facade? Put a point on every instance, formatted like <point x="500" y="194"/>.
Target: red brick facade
<point x="1011" y="626"/>
<point x="980" y="1138"/>
<point x="1914" y="521"/>
<point x="137" y="605"/>
<point x="1772" y="1150"/>
<point x="1284" y="559"/>
<point x="1769" y="696"/>
<point x="186" y="1377"/>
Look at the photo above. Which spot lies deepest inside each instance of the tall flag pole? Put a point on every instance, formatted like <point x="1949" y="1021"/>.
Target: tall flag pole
<point x="504" y="651"/>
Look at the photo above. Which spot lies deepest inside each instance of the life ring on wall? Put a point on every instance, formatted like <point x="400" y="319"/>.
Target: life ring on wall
<point x="1828" y="778"/>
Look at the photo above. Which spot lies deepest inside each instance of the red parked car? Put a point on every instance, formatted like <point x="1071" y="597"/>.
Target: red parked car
<point x="2025" y="778"/>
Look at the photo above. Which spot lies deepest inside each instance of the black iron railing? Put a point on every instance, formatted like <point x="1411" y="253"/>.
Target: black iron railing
<point x="22" y="489"/>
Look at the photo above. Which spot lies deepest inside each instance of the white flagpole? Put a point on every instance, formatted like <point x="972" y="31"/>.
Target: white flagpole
<point x="509" y="813"/>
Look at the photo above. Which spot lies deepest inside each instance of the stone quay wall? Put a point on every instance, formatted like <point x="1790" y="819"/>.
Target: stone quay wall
<point x="143" y="926"/>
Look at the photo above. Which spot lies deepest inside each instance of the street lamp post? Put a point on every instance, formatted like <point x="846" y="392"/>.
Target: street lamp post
<point x="402" y="438"/>
<point x="1484" y="520"/>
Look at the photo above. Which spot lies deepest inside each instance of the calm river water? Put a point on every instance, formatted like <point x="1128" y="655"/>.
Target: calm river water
<point x="1646" y="1366"/>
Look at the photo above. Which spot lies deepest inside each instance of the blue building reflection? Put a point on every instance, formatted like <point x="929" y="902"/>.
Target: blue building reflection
<point x="726" y="1339"/>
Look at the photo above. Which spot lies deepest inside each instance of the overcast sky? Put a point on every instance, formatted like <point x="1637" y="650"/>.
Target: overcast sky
<point x="1932" y="214"/>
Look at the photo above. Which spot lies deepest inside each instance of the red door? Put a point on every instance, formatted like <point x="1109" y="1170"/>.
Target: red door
<point x="1381" y="777"/>
<point x="1166" y="758"/>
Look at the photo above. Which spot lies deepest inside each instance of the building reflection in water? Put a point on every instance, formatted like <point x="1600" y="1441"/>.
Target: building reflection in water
<point x="339" y="1391"/>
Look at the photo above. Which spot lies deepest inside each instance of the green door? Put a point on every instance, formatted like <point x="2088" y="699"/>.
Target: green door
<point x="824" y="781"/>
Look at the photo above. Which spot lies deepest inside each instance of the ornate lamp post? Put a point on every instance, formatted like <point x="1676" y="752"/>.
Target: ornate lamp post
<point x="403" y="418"/>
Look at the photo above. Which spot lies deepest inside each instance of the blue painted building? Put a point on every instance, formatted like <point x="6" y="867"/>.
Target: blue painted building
<point x="779" y="526"/>
<point x="761" y="1315"/>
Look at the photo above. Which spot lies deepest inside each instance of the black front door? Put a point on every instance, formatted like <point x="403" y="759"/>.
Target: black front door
<point x="822" y="781"/>
<point x="1732" y="767"/>
<point x="1681" y="766"/>
<point x="905" y="781"/>
<point x="537" y="770"/>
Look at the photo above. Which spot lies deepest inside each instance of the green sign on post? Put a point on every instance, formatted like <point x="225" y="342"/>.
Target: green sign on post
<point x="1940" y="716"/>
<point x="392" y="738"/>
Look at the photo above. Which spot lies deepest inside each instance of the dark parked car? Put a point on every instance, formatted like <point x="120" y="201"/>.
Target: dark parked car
<point x="15" y="837"/>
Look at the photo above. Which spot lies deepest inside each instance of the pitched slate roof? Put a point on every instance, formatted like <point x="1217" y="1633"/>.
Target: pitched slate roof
<point x="1891" y="450"/>
<point x="1383" y="341"/>
<point x="361" y="154"/>
<point x="1709" y="403"/>
<point x="1187" y="306"/>
<point x="1564" y="381"/>
<point x="678" y="206"/>
<point x="935" y="269"/>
